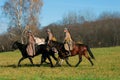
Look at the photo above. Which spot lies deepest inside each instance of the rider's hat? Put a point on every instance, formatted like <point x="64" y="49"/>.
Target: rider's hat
<point x="48" y="30"/>
<point x="65" y="28"/>
<point x="29" y="31"/>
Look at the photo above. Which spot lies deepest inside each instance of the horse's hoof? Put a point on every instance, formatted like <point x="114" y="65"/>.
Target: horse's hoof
<point x="58" y="65"/>
<point x="52" y="66"/>
<point x="39" y="65"/>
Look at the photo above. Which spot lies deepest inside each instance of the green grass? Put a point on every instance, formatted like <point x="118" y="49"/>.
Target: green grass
<point x="107" y="67"/>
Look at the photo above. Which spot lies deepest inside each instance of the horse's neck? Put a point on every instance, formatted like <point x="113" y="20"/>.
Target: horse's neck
<point x="58" y="45"/>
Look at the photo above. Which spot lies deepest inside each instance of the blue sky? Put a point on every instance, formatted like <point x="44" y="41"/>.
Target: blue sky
<point x="54" y="10"/>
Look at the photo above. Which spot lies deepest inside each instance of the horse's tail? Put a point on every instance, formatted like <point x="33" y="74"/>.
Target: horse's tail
<point x="90" y="52"/>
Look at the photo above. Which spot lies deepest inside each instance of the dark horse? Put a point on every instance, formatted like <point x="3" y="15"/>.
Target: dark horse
<point x="78" y="49"/>
<point x="40" y="49"/>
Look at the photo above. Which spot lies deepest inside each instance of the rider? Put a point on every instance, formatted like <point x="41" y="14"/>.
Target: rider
<point x="31" y="44"/>
<point x="68" y="41"/>
<point x="51" y="37"/>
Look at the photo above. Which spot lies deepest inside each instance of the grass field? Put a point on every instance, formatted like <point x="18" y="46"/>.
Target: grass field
<point x="107" y="67"/>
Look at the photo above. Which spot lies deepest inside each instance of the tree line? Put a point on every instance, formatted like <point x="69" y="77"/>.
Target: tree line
<point x="101" y="31"/>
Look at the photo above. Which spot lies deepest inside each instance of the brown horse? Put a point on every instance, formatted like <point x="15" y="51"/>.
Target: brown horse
<point x="78" y="49"/>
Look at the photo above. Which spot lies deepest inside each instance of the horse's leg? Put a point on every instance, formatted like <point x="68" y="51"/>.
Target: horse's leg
<point x="66" y="60"/>
<point x="54" y="58"/>
<point x="50" y="60"/>
<point x="31" y="60"/>
<point x="42" y="60"/>
<point x="86" y="55"/>
<point x="46" y="61"/>
<point x="58" y="62"/>
<point x="90" y="61"/>
<point x="80" y="59"/>
<point x="89" y="51"/>
<point x="61" y="61"/>
<point x="20" y="61"/>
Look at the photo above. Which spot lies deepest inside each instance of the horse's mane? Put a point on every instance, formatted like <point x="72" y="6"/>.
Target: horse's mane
<point x="17" y="42"/>
<point x="57" y="44"/>
<point x="20" y="44"/>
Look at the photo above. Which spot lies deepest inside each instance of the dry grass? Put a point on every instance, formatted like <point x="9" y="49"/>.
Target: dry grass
<point x="107" y="67"/>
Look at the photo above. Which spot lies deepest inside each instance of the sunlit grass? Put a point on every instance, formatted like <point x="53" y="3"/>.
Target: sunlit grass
<point x="107" y="67"/>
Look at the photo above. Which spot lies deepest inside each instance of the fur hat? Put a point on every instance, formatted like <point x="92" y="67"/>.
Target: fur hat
<point x="29" y="31"/>
<point x="48" y="30"/>
<point x="66" y="28"/>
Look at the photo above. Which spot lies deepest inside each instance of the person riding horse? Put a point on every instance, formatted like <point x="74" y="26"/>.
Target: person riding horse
<point x="31" y="44"/>
<point x="51" y="37"/>
<point x="68" y="42"/>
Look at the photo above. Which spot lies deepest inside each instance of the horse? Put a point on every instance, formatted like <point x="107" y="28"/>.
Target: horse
<point x="78" y="49"/>
<point x="40" y="49"/>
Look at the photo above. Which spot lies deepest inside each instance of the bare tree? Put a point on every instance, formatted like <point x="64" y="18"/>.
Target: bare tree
<point x="22" y="13"/>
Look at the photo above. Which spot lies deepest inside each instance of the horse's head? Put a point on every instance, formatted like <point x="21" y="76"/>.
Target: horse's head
<point x="59" y="46"/>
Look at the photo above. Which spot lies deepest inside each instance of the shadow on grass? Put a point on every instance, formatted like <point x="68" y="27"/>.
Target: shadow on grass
<point x="25" y="65"/>
<point x="44" y="65"/>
